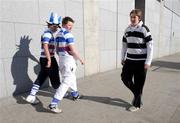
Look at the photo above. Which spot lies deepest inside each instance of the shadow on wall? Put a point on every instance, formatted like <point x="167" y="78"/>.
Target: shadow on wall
<point x="19" y="71"/>
<point x="19" y="66"/>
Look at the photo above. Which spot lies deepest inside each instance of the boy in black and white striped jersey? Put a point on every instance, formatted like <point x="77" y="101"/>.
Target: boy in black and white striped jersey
<point x="137" y="52"/>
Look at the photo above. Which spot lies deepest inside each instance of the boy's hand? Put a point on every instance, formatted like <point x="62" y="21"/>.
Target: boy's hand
<point x="82" y="62"/>
<point x="48" y="64"/>
<point x="122" y="62"/>
<point x="146" y="66"/>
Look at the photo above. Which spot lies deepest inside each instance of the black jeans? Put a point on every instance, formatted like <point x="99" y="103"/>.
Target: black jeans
<point x="133" y="76"/>
<point x="52" y="73"/>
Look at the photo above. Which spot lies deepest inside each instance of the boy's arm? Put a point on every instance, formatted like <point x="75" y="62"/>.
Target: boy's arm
<point x="149" y="54"/>
<point x="45" y="41"/>
<point x="46" y="51"/>
<point x="149" y="44"/>
<point x="124" y="50"/>
<point x="57" y="39"/>
<point x="70" y="41"/>
<point x="75" y="53"/>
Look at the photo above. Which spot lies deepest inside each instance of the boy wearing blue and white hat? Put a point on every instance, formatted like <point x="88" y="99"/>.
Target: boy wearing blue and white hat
<point x="49" y="66"/>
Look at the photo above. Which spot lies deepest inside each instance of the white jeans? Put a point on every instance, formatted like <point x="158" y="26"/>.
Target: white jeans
<point x="67" y="69"/>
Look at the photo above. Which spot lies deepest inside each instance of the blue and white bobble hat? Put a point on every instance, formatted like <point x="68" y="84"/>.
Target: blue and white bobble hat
<point x="54" y="19"/>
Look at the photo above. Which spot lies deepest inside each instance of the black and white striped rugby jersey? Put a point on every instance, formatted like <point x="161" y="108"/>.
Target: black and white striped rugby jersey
<point x="137" y="43"/>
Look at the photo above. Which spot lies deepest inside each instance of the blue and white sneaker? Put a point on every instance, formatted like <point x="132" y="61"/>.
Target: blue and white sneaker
<point x="76" y="95"/>
<point x="54" y="108"/>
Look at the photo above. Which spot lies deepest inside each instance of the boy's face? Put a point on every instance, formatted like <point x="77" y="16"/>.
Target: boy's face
<point x="69" y="25"/>
<point x="54" y="28"/>
<point x="134" y="19"/>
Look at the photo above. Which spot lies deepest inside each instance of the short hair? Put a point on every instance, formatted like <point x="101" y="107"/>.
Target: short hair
<point x="66" y="20"/>
<point x="137" y="12"/>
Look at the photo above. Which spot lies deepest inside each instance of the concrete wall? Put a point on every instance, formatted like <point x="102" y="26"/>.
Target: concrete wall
<point x="113" y="18"/>
<point x="99" y="27"/>
<point x="163" y="19"/>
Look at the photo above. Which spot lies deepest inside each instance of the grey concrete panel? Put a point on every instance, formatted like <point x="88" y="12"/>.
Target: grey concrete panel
<point x="0" y="37"/>
<point x="175" y="34"/>
<point x="3" y="88"/>
<point x="79" y="44"/>
<point x="125" y="6"/>
<point x="91" y="29"/>
<point x="25" y="11"/>
<point x="80" y="70"/>
<point x="102" y="36"/>
<point x="92" y="60"/>
<point x="119" y="59"/>
<point x="107" y="22"/>
<point x="119" y="47"/>
<point x="75" y="10"/>
<point x="123" y="22"/>
<point x="79" y="41"/>
<point x="48" y="6"/>
<point x="110" y="5"/>
<point x="7" y="40"/>
<point x="109" y="64"/>
<point x="108" y="41"/>
<point x="91" y="13"/>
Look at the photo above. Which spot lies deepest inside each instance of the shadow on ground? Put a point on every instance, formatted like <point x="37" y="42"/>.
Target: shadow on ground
<point x="166" y="64"/>
<point x="47" y="92"/>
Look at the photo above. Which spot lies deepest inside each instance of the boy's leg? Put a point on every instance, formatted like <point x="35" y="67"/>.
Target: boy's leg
<point x="139" y="80"/>
<point x="61" y="91"/>
<point x="31" y="98"/>
<point x="72" y="81"/>
<point x="42" y="76"/>
<point x="127" y="76"/>
<point x="74" y="93"/>
<point x="53" y="73"/>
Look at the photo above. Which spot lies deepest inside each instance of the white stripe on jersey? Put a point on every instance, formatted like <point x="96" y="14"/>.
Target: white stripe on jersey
<point x="134" y="40"/>
<point x="61" y="44"/>
<point x="68" y="35"/>
<point x="137" y="51"/>
<point x="47" y="35"/>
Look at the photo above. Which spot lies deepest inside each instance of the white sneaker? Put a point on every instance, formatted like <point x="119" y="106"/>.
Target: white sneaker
<point x="54" y="108"/>
<point x="32" y="99"/>
<point x="133" y="109"/>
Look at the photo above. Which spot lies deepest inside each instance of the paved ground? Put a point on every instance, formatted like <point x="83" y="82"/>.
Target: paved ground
<point x="106" y="100"/>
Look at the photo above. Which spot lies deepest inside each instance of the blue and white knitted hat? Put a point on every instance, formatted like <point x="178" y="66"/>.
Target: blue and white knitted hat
<point x="54" y="19"/>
